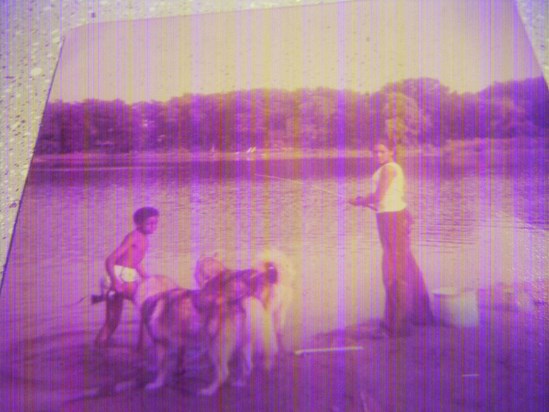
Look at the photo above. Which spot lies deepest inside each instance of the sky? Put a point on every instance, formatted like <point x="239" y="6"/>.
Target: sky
<point x="466" y="44"/>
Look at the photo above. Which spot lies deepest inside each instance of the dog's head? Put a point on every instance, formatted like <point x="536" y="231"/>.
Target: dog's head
<point x="269" y="259"/>
<point x="225" y="288"/>
<point x="207" y="268"/>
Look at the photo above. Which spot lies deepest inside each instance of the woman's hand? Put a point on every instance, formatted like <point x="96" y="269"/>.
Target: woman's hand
<point x="358" y="201"/>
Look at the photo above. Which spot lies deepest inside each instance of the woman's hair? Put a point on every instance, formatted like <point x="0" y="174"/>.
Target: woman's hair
<point x="144" y="213"/>
<point x="388" y="143"/>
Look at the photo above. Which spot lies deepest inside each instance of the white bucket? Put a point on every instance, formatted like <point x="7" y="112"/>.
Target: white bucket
<point x="456" y="307"/>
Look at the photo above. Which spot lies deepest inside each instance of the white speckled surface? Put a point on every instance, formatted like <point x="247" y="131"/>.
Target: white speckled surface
<point x="31" y="33"/>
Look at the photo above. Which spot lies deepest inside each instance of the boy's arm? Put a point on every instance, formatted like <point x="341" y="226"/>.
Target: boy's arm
<point x="141" y="270"/>
<point x="113" y="258"/>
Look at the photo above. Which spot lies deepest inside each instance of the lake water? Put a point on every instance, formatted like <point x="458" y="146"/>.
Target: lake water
<point x="474" y="226"/>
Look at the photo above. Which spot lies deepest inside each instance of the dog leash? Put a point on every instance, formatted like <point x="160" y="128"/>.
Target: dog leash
<point x="69" y="305"/>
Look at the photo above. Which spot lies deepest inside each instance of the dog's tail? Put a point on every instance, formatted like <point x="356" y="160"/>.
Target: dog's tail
<point x="276" y="264"/>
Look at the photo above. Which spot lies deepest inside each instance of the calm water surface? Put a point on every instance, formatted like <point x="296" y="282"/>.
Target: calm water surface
<point x="474" y="227"/>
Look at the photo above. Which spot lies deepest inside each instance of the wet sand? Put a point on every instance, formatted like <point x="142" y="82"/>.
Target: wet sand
<point x="500" y="365"/>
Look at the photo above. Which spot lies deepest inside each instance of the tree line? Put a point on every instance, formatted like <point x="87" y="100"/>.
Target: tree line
<point x="415" y="111"/>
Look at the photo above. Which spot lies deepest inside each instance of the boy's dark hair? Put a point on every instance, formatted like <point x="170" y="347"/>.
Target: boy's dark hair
<point x="144" y="213"/>
<point x="385" y="141"/>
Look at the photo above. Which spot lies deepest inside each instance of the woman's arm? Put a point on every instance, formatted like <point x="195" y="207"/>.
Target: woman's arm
<point x="367" y="201"/>
<point x="387" y="176"/>
<point x="372" y="199"/>
<point x="141" y="271"/>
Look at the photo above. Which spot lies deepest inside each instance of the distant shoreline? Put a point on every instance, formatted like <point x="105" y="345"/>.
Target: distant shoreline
<point x="184" y="155"/>
<point x="177" y="157"/>
<point x="456" y="151"/>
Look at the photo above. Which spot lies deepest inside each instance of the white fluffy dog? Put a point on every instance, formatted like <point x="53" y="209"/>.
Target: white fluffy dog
<point x="275" y="293"/>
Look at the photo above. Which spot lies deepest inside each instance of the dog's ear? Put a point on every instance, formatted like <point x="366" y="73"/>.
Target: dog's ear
<point x="218" y="254"/>
<point x="199" y="271"/>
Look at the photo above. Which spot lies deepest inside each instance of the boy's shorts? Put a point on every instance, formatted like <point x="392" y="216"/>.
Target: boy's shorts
<point x="124" y="274"/>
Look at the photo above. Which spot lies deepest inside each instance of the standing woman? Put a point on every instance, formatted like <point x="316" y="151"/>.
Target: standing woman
<point x="407" y="299"/>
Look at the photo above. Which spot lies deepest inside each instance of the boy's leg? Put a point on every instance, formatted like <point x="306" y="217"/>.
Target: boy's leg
<point x="141" y="336"/>
<point x="112" y="318"/>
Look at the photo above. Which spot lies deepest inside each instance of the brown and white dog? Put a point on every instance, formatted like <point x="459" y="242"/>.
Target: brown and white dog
<point x="148" y="287"/>
<point x="274" y="291"/>
<point x="222" y="315"/>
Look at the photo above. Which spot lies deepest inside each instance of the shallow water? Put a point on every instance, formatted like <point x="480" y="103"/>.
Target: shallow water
<point x="474" y="227"/>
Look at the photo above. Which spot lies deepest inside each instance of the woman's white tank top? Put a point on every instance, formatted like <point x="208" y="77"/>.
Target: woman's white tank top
<point x="393" y="201"/>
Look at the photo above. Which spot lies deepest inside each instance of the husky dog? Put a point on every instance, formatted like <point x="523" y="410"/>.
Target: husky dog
<point x="274" y="291"/>
<point x="247" y="331"/>
<point x="220" y="315"/>
<point x="150" y="286"/>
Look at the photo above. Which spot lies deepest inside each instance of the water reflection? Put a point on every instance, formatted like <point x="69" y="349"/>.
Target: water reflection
<point x="473" y="228"/>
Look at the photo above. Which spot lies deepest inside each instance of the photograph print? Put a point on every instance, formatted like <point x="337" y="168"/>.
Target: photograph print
<point x="326" y="207"/>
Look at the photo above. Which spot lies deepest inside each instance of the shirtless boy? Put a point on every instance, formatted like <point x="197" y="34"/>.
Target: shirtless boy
<point x="124" y="270"/>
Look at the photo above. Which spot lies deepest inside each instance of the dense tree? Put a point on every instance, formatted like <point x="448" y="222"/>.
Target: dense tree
<point x="414" y="111"/>
<point x="405" y="121"/>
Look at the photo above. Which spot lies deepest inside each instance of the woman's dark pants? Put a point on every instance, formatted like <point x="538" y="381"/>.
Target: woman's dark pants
<point x="407" y="298"/>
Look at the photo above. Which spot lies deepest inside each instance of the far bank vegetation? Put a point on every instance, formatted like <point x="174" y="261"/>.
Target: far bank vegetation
<point x="418" y="112"/>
